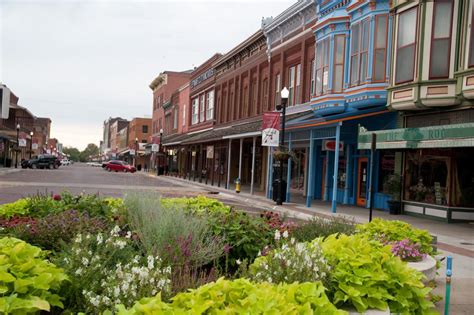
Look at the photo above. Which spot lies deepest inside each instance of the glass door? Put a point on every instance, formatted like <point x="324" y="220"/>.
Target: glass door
<point x="362" y="182"/>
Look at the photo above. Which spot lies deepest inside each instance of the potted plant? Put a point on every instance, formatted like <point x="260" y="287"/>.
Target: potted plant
<point x="284" y="155"/>
<point x="393" y="186"/>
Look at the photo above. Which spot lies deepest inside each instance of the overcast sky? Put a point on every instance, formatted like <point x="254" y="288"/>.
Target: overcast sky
<point x="79" y="62"/>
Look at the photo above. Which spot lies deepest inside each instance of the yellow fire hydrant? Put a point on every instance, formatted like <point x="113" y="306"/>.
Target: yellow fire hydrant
<point x="237" y="185"/>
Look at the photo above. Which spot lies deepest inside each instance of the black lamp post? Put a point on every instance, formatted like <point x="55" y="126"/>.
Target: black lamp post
<point x="136" y="152"/>
<point x="31" y="143"/>
<point x="17" y="144"/>
<point x="284" y="100"/>
<point x="160" y="151"/>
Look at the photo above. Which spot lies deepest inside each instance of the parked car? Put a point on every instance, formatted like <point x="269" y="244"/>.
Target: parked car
<point x="119" y="166"/>
<point x="42" y="161"/>
<point x="65" y="162"/>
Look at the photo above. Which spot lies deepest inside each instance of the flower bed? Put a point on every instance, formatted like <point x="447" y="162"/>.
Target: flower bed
<point x="145" y="254"/>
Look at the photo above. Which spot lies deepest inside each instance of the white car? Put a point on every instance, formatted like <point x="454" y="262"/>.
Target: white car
<point x="65" y="162"/>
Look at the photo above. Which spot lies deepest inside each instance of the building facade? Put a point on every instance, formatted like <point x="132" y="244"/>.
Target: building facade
<point x="41" y="134"/>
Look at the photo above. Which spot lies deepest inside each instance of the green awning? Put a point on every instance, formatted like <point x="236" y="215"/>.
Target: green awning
<point x="446" y="136"/>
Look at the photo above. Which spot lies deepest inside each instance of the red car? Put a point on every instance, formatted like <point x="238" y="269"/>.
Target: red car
<point x="119" y="166"/>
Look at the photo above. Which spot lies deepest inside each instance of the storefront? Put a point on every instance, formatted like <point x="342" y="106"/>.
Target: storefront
<point x="438" y="173"/>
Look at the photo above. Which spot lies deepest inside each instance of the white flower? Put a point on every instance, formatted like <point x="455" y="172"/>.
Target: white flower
<point x="128" y="235"/>
<point x="100" y="239"/>
<point x="78" y="239"/>
<point x="292" y="241"/>
<point x="151" y="262"/>
<point x="85" y="261"/>
<point x="115" y="230"/>
<point x="285" y="234"/>
<point x="78" y="271"/>
<point x="277" y="235"/>
<point x="238" y="262"/>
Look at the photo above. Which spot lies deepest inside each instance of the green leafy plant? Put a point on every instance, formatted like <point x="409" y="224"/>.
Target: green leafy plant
<point x="241" y="297"/>
<point x="17" y="208"/>
<point x="392" y="231"/>
<point x="323" y="227"/>
<point x="365" y="274"/>
<point x="28" y="282"/>
<point x="196" y="205"/>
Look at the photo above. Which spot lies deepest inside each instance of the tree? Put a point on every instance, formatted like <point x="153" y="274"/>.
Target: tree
<point x="74" y="153"/>
<point x="90" y="150"/>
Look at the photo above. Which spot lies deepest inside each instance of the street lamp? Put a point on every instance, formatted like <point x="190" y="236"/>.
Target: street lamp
<point x="31" y="143"/>
<point x="284" y="100"/>
<point x="17" y="144"/>
<point x="136" y="152"/>
<point x="159" y="151"/>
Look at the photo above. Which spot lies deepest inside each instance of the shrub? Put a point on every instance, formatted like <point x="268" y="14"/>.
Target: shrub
<point x="17" y="208"/>
<point x="241" y="297"/>
<point x="406" y="250"/>
<point x="28" y="282"/>
<point x="365" y="275"/>
<point x="197" y="205"/>
<point x="391" y="231"/>
<point x="322" y="227"/>
<point x="275" y="221"/>
<point x="107" y="270"/>
<point x="54" y="230"/>
<point x="181" y="238"/>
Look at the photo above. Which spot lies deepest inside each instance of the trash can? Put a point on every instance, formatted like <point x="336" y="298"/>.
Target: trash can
<point x="139" y="167"/>
<point x="276" y="190"/>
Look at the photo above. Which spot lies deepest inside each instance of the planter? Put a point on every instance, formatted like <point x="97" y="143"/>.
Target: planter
<point x="353" y="311"/>
<point x="427" y="266"/>
<point x="395" y="207"/>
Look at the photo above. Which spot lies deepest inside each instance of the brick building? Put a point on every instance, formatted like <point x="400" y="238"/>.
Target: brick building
<point x="41" y="133"/>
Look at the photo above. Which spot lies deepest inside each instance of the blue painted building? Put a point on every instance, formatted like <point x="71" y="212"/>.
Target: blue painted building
<point x="350" y="74"/>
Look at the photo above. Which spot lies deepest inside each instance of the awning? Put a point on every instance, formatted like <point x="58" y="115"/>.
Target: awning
<point x="445" y="136"/>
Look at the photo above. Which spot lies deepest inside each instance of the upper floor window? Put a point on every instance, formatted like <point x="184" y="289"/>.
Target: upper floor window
<point x="312" y="78"/>
<point x="210" y="105"/>
<point x="294" y="84"/>
<point x="175" y="118"/>
<point x="145" y="129"/>
<point x="254" y="107"/>
<point x="322" y="66"/>
<point x="471" y="40"/>
<point x="441" y="39"/>
<point x="359" y="51"/>
<point x="184" y="115"/>
<point x="265" y="93"/>
<point x="202" y="109"/>
<point x="380" y="48"/>
<point x="338" y="72"/>
<point x="277" y="89"/>
<point x="195" y="111"/>
<point x="406" y="46"/>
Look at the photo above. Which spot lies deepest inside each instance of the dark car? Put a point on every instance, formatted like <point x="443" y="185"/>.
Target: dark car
<point x="119" y="166"/>
<point x="42" y="161"/>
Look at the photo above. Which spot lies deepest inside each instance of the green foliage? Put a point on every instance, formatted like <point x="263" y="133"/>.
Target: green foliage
<point x="196" y="205"/>
<point x="17" y="208"/>
<point x="28" y="282"/>
<point x="390" y="231"/>
<point x="241" y="297"/>
<point x="322" y="227"/>
<point x="73" y="153"/>
<point x="90" y="150"/>
<point x="365" y="275"/>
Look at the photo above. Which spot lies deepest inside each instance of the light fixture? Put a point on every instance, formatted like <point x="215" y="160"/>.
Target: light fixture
<point x="285" y="93"/>
<point x="161" y="131"/>
<point x="31" y="133"/>
<point x="136" y="139"/>
<point x="18" y="127"/>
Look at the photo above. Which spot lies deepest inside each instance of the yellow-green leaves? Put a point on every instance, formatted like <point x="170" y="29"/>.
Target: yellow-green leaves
<point x="28" y="282"/>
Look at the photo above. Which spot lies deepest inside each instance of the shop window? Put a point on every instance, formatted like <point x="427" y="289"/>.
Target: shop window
<point x="441" y="39"/>
<point x="380" y="47"/>
<point x="406" y="46"/>
<point x="195" y="111"/>
<point x="471" y="39"/>
<point x="463" y="178"/>
<point x="210" y="105"/>
<point x="341" y="173"/>
<point x="427" y="176"/>
<point x="322" y="66"/>
<point x="359" y="49"/>
<point x="386" y="169"/>
<point x="339" y="43"/>
<point x="202" y="108"/>
<point x="298" y="170"/>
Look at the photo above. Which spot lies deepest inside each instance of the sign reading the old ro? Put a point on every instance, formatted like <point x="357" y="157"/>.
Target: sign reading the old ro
<point x="271" y="129"/>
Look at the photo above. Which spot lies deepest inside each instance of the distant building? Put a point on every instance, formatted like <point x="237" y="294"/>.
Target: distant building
<point x="106" y="147"/>
<point x="41" y="133"/>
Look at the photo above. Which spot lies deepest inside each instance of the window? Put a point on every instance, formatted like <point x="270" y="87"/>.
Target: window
<point x="339" y="42"/>
<point x="245" y="102"/>
<point x="386" y="169"/>
<point x="175" y="118"/>
<point x="145" y="129"/>
<point x="359" y="49"/>
<point x="471" y="40"/>
<point x="202" y="109"/>
<point x="322" y="66"/>
<point x="195" y="111"/>
<point x="210" y="105"/>
<point x="406" y="46"/>
<point x="294" y="82"/>
<point x="184" y="115"/>
<point x="380" y="48"/>
<point x="265" y="93"/>
<point x="312" y="77"/>
<point x="441" y="39"/>
<point x="277" y="89"/>
<point x="254" y="108"/>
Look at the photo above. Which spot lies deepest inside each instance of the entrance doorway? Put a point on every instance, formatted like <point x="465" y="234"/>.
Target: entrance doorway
<point x="323" y="180"/>
<point x="362" y="182"/>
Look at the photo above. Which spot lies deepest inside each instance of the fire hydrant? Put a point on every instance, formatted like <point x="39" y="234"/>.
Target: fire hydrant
<point x="237" y="185"/>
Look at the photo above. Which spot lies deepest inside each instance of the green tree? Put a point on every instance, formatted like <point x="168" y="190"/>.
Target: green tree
<point x="73" y="153"/>
<point x="90" y="150"/>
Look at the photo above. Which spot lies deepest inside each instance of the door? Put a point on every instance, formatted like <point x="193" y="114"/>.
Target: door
<point x="362" y="182"/>
<point x="323" y="181"/>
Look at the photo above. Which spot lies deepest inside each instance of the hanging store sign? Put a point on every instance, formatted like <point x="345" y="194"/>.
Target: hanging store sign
<point x="34" y="146"/>
<point x="132" y="152"/>
<point x="210" y="151"/>
<point x="155" y="147"/>
<point x="330" y="145"/>
<point x="22" y="142"/>
<point x="270" y="129"/>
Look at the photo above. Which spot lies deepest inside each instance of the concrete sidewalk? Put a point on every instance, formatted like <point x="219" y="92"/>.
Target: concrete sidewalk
<point x="9" y="170"/>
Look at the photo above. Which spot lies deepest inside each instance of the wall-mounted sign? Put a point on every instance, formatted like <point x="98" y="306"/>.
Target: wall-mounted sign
<point x="330" y="145"/>
<point x="202" y="77"/>
<point x="22" y="142"/>
<point x="155" y="147"/>
<point x="132" y="151"/>
<point x="34" y="146"/>
<point x="271" y="129"/>
<point x="210" y="151"/>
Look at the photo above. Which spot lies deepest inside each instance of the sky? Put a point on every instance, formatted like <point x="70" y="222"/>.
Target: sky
<point x="80" y="62"/>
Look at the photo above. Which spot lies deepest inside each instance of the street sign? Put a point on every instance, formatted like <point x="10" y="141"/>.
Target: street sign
<point x="155" y="147"/>
<point x="270" y="129"/>
<point x="22" y="142"/>
<point x="210" y="152"/>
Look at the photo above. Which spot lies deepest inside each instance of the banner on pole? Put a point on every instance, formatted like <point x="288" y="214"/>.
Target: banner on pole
<point x="271" y="129"/>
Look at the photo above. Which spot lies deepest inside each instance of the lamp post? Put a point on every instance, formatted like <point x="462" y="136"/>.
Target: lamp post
<point x="284" y="99"/>
<point x="17" y="144"/>
<point x="160" y="151"/>
<point x="31" y="143"/>
<point x="136" y="153"/>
